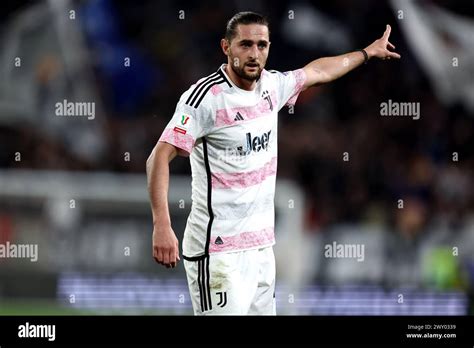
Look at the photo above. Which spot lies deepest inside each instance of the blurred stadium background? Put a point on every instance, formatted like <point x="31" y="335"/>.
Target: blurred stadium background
<point x="76" y="186"/>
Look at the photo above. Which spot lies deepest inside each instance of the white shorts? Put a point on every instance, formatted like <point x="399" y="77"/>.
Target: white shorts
<point x="235" y="283"/>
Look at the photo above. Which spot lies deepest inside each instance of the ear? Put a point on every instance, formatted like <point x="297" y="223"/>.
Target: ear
<point x="225" y="46"/>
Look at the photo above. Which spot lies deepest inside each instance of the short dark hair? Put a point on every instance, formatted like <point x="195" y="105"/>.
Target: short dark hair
<point x="243" y="18"/>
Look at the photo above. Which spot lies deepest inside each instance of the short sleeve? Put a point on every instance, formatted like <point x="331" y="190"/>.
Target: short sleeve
<point x="187" y="125"/>
<point x="290" y="84"/>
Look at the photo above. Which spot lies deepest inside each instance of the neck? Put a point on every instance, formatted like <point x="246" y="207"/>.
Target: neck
<point x="238" y="81"/>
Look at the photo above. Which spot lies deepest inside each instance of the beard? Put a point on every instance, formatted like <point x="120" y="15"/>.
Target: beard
<point x="249" y="76"/>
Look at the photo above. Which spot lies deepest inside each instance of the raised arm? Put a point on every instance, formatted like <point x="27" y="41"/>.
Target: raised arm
<point x="328" y="69"/>
<point x="165" y="243"/>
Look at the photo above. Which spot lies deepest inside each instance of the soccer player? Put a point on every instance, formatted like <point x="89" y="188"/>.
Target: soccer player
<point x="227" y="124"/>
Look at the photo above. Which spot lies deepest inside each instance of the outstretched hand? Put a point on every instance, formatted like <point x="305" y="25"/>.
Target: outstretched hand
<point x="379" y="48"/>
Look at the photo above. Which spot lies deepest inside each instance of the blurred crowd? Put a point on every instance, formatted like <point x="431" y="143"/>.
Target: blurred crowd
<point x="413" y="177"/>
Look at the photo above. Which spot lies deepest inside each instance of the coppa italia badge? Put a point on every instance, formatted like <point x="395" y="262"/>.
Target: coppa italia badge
<point x="183" y="124"/>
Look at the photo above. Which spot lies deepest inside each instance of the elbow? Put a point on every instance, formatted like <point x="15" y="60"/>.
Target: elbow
<point x="149" y="161"/>
<point x="318" y="76"/>
<point x="324" y="77"/>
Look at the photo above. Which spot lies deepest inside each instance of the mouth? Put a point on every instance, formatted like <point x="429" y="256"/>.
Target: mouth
<point x="252" y="65"/>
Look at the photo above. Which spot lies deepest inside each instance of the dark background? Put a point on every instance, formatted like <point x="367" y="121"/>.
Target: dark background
<point x="390" y="158"/>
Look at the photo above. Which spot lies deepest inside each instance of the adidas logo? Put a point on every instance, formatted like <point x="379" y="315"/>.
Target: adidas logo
<point x="238" y="117"/>
<point x="219" y="241"/>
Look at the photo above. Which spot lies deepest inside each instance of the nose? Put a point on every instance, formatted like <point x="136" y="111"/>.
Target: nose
<point x="254" y="52"/>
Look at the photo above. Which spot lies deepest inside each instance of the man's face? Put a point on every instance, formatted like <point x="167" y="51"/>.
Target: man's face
<point x="248" y="50"/>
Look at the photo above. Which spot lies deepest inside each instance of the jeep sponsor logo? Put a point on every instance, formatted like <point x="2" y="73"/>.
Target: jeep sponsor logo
<point x="257" y="143"/>
<point x="239" y="154"/>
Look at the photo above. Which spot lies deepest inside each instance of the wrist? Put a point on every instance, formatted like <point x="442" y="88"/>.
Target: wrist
<point x="161" y="220"/>
<point x="369" y="52"/>
<point x="364" y="54"/>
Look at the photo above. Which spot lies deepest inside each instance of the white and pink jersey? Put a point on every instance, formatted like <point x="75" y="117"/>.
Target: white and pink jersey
<point x="231" y="136"/>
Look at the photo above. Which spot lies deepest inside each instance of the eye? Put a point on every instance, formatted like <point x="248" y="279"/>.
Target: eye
<point x="262" y="46"/>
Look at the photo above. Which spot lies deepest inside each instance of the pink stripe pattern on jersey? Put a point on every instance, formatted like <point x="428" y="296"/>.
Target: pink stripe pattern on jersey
<point x="300" y="78"/>
<point x="244" y="179"/>
<point x="178" y="139"/>
<point x="243" y="240"/>
<point x="225" y="117"/>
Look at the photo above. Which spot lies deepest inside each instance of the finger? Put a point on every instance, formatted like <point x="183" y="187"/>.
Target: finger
<point x="387" y="32"/>
<point x="158" y="261"/>
<point x="159" y="255"/>
<point x="172" y="257"/>
<point x="394" y="55"/>
<point x="391" y="45"/>
<point x="155" y="255"/>
<point x="166" y="257"/>
<point x="177" y="253"/>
